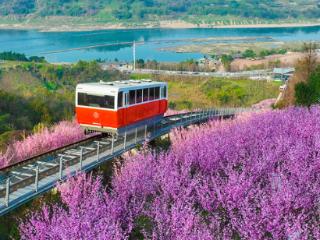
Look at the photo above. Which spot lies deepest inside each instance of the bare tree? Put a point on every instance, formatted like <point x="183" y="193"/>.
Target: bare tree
<point x="309" y="62"/>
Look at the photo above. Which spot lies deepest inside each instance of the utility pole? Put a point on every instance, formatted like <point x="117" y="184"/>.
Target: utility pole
<point x="134" y="55"/>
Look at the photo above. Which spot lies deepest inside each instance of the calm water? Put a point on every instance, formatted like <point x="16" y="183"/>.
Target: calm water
<point x="38" y="43"/>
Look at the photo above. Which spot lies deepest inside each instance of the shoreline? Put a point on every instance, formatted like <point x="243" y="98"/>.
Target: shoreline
<point x="161" y="25"/>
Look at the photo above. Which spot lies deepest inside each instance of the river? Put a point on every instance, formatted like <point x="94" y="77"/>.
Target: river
<point x="111" y="44"/>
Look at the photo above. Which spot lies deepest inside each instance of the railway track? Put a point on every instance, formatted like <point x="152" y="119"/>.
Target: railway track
<point x="26" y="180"/>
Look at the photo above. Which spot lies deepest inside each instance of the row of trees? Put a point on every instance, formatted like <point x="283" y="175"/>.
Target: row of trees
<point x="147" y="9"/>
<point x="187" y="65"/>
<point x="249" y="53"/>
<point x="57" y="76"/>
<point x="13" y="56"/>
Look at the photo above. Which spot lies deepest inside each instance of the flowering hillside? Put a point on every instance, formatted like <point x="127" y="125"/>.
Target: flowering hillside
<point x="59" y="135"/>
<point x="252" y="178"/>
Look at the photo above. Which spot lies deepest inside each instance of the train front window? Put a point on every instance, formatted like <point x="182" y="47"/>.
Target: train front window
<point x="96" y="101"/>
<point x="108" y="102"/>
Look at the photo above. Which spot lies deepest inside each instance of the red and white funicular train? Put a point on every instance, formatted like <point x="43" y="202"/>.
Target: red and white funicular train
<point x="119" y="105"/>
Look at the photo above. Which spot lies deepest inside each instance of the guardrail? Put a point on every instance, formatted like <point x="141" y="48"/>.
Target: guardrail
<point x="254" y="74"/>
<point x="37" y="175"/>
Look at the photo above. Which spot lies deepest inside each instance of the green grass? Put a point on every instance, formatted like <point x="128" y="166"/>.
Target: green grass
<point x="9" y="64"/>
<point x="51" y="86"/>
<point x="137" y="76"/>
<point x="200" y="92"/>
<point x="243" y="92"/>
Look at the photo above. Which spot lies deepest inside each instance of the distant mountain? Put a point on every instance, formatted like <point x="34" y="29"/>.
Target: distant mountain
<point x="139" y="10"/>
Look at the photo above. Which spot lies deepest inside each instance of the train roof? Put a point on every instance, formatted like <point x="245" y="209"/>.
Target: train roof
<point x="118" y="85"/>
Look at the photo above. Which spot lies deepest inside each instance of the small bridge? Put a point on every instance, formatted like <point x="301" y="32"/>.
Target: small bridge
<point x="26" y="180"/>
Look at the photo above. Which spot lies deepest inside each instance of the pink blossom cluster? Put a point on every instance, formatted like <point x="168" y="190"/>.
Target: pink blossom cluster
<point x="61" y="134"/>
<point x="255" y="177"/>
<point x="170" y="112"/>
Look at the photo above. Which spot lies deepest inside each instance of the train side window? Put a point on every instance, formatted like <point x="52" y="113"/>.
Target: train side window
<point x="151" y="94"/>
<point x="145" y="94"/>
<point x="120" y="99"/>
<point x="139" y="96"/>
<point x="157" y="93"/>
<point x="132" y="96"/>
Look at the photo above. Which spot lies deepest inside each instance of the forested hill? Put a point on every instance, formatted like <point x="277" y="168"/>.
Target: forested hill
<point x="115" y="10"/>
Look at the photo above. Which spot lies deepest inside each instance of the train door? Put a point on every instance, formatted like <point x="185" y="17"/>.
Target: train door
<point x="126" y="98"/>
<point x="126" y="105"/>
<point x="163" y="102"/>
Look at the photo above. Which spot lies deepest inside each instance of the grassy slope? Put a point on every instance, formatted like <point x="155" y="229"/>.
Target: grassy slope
<point x="197" y="92"/>
<point x="220" y="93"/>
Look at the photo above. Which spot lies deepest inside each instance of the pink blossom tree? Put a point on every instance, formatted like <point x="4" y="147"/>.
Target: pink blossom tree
<point x="48" y="139"/>
<point x="255" y="177"/>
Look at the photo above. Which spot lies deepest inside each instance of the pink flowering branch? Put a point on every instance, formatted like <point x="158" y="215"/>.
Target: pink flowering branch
<point x="59" y="135"/>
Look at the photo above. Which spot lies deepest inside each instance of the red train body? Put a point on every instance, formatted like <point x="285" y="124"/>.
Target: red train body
<point x="113" y="106"/>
